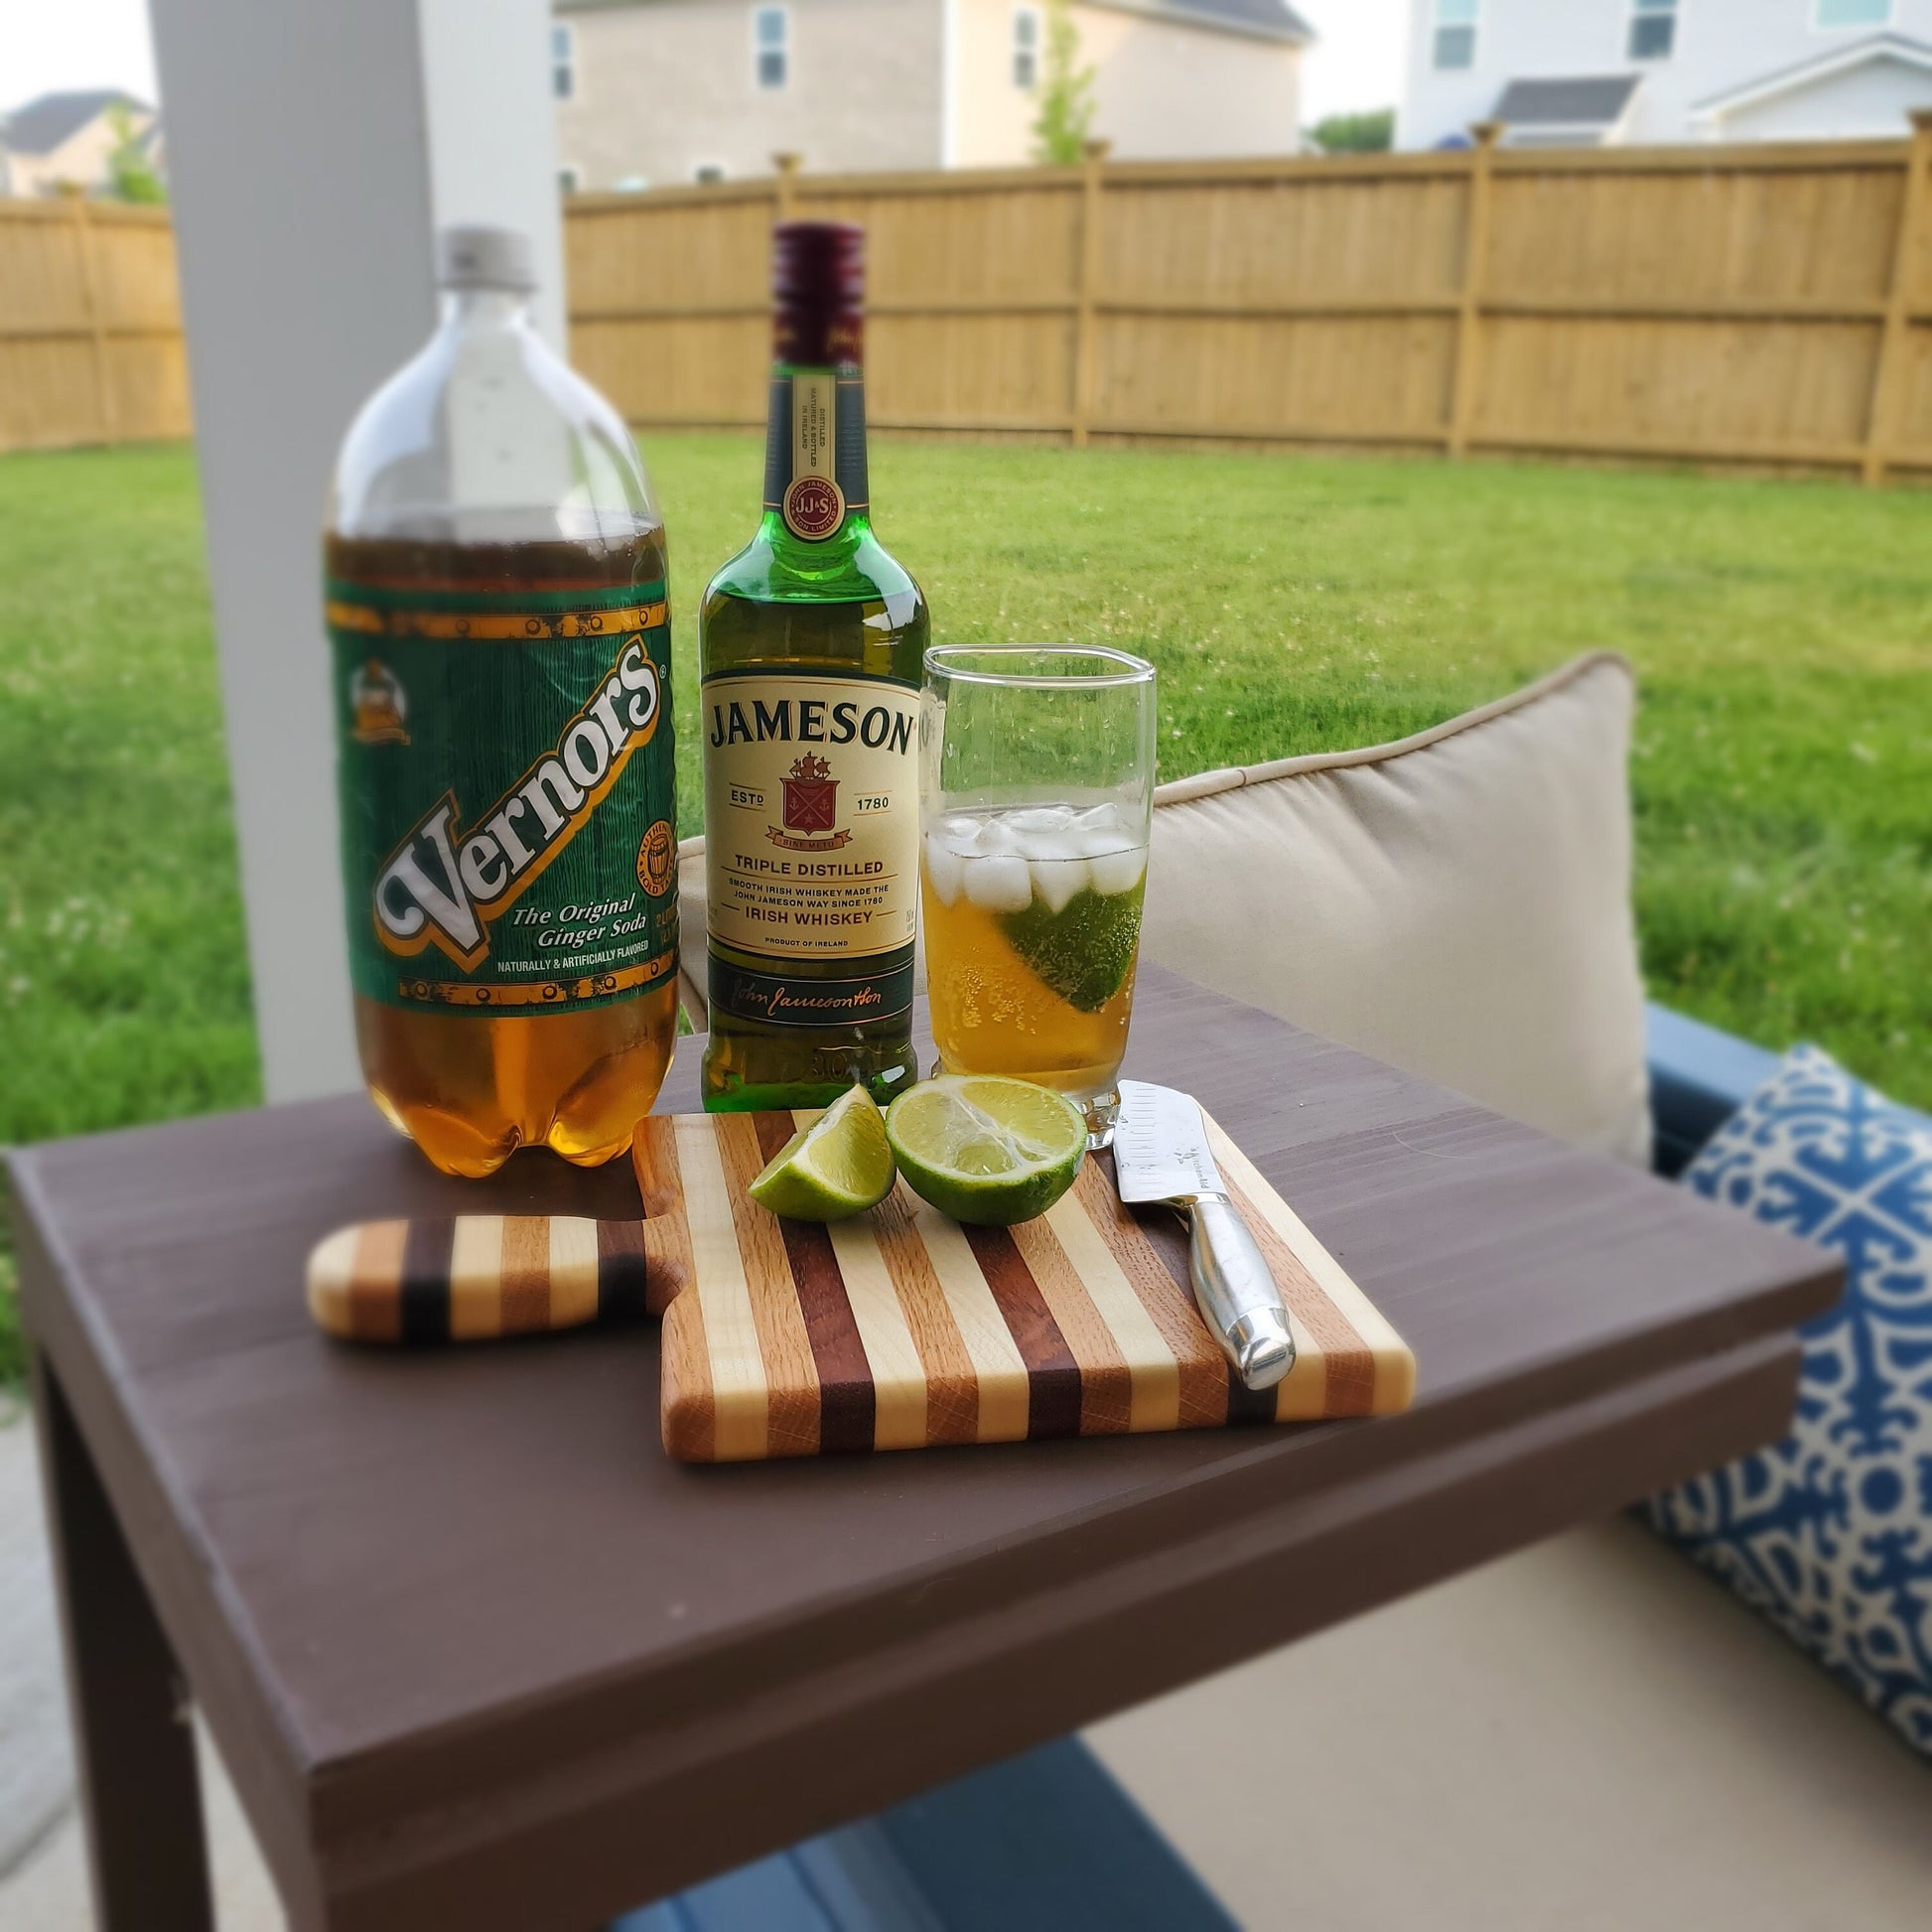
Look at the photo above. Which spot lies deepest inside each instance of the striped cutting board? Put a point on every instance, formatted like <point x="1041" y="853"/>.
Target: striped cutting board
<point x="902" y="1330"/>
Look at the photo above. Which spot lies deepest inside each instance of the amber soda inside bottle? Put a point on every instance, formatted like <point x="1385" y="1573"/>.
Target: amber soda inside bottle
<point x="495" y="596"/>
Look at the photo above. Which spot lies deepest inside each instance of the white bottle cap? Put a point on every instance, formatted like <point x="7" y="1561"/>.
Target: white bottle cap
<point x="485" y="258"/>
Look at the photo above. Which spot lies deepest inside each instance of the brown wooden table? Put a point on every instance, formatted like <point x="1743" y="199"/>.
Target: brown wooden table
<point x="479" y="1656"/>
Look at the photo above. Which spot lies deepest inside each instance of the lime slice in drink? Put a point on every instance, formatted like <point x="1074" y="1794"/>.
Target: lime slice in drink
<point x="837" y="1166"/>
<point x="984" y="1150"/>
<point x="1085" y="950"/>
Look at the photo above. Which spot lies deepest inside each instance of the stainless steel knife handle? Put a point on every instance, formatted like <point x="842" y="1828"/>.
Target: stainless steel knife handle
<point x="1237" y="1292"/>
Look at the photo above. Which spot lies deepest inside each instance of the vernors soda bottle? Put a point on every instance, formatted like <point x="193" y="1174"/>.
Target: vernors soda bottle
<point x="500" y="641"/>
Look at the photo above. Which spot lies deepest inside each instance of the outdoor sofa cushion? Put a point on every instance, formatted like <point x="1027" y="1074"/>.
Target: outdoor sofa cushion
<point x="1456" y="903"/>
<point x="1584" y="1735"/>
<point x="1829" y="1533"/>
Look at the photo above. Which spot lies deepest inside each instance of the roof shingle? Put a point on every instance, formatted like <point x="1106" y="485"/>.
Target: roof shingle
<point x="42" y="125"/>
<point x="1587" y="100"/>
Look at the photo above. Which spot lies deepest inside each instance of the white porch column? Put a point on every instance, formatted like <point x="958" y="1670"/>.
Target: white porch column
<point x="313" y="150"/>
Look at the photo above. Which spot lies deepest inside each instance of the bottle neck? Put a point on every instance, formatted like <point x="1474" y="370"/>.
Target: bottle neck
<point x="480" y="309"/>
<point x="816" y="488"/>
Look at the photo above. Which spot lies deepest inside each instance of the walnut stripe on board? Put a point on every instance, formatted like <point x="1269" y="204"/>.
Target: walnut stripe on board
<point x="622" y="1277"/>
<point x="1202" y="1376"/>
<point x="790" y="1373"/>
<point x="1052" y="1374"/>
<point x="738" y="1391"/>
<point x="1106" y="1382"/>
<point x="898" y="1373"/>
<point x="847" y="1405"/>
<point x="425" y="1287"/>
<point x="1003" y="1386"/>
<point x="1392" y="1374"/>
<point x="951" y="1386"/>
<point x="1153" y="1371"/>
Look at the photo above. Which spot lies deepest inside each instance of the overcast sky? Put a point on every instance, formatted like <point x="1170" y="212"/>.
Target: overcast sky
<point x="53" y="44"/>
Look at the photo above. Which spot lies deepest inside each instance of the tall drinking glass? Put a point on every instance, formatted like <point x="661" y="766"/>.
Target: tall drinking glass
<point x="1035" y="791"/>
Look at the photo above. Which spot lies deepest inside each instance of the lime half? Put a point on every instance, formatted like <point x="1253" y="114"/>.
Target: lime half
<point x="837" y="1166"/>
<point x="987" y="1151"/>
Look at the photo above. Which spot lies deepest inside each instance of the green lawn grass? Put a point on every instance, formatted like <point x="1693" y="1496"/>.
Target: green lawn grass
<point x="1783" y="631"/>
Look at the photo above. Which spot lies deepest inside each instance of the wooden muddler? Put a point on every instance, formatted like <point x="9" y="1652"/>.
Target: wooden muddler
<point x="476" y="1277"/>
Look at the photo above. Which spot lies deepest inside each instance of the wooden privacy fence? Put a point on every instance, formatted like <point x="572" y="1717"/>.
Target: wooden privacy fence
<point x="90" y="343"/>
<point x="1759" y="305"/>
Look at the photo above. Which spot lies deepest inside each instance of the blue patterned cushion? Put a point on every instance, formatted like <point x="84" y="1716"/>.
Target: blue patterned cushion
<point x="1829" y="1533"/>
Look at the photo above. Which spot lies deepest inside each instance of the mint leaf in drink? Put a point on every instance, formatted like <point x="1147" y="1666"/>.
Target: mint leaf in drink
<point x="1084" y="951"/>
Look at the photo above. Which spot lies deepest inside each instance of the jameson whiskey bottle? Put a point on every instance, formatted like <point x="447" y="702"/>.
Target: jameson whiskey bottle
<point x="495" y="605"/>
<point x="811" y="640"/>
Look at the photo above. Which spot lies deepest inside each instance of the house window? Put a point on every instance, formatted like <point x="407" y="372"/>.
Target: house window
<point x="563" y="61"/>
<point x="1456" y="33"/>
<point x="1653" y="28"/>
<point x="708" y="174"/>
<point x="772" y="46"/>
<point x="1852" y="13"/>
<point x="1026" y="48"/>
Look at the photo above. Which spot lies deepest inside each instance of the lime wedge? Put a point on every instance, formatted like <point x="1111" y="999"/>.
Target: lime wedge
<point x="837" y="1166"/>
<point x="1084" y="951"/>
<point x="987" y="1151"/>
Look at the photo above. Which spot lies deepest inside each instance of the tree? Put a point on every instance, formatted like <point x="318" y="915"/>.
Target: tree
<point x="1065" y="118"/>
<point x="130" y="174"/>
<point x="1369" y="133"/>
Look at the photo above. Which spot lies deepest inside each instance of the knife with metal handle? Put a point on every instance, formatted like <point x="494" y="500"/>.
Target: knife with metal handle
<point x="1160" y="1154"/>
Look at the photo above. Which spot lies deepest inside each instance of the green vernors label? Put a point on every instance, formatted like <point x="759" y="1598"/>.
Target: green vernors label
<point x="508" y="811"/>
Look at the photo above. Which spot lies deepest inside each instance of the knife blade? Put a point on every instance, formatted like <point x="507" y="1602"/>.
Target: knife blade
<point x="1160" y="1154"/>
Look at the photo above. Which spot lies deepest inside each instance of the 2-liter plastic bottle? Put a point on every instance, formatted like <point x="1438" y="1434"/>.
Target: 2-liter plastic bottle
<point x="500" y="659"/>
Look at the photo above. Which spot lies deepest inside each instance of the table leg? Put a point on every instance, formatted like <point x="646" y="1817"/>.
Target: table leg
<point x="134" y="1745"/>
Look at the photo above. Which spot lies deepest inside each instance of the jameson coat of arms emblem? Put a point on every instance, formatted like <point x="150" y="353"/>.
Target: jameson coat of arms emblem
<point x="812" y="806"/>
<point x="811" y="796"/>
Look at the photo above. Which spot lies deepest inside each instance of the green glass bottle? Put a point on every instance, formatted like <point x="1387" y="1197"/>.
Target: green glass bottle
<point x="811" y="641"/>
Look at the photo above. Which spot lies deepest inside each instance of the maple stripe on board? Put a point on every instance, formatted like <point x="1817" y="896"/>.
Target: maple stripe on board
<point x="1002" y="1381"/>
<point x="898" y="1373"/>
<point x="1152" y="1369"/>
<point x="1054" y="1396"/>
<point x="734" y="1365"/>
<point x="685" y="1415"/>
<point x="951" y="1386"/>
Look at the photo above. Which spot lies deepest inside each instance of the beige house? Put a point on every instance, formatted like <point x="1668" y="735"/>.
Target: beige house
<point x="652" y="92"/>
<point x="60" y="143"/>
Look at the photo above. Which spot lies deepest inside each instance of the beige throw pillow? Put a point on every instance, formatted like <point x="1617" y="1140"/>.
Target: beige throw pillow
<point x="1456" y="903"/>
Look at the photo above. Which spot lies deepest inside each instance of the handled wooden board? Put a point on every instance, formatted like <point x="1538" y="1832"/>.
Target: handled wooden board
<point x="902" y="1330"/>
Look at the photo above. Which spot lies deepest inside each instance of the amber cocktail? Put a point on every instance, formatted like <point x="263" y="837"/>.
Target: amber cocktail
<point x="1035" y="793"/>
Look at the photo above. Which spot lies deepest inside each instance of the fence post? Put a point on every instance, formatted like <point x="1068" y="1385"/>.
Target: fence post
<point x="1092" y="186"/>
<point x="784" y="193"/>
<point x="104" y="409"/>
<point x="1468" y="313"/>
<point x="1887" y="374"/>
